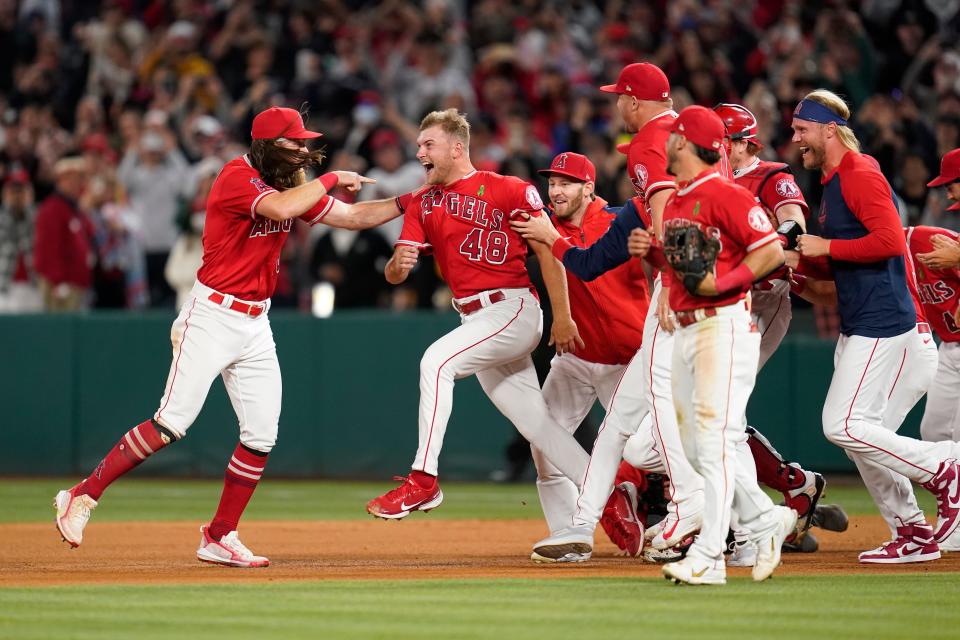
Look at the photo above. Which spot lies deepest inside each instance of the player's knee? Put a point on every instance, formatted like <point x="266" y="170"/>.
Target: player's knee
<point x="834" y="426"/>
<point x="167" y="433"/>
<point x="260" y="440"/>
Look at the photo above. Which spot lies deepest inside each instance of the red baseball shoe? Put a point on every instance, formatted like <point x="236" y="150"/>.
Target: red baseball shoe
<point x="945" y="486"/>
<point x="619" y="519"/>
<point x="409" y="496"/>
<point x="914" y="543"/>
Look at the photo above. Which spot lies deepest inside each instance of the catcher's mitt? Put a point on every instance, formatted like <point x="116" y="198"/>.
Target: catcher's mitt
<point x="690" y="253"/>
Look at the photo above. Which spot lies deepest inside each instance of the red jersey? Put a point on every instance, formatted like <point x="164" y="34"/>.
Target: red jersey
<point x="610" y="310"/>
<point x="241" y="250"/>
<point x="63" y="242"/>
<point x="467" y="227"/>
<point x="938" y="288"/>
<point x="647" y="158"/>
<point x="723" y="210"/>
<point x="773" y="186"/>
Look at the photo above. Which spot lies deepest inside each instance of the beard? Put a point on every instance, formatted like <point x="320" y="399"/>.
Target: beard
<point x="671" y="162"/>
<point x="282" y="168"/>
<point x="570" y="207"/>
<point x="813" y="158"/>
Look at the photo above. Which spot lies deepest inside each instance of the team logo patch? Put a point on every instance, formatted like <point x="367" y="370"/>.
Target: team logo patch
<point x="758" y="220"/>
<point x="533" y="198"/>
<point x="641" y="172"/>
<point x="259" y="184"/>
<point x="787" y="188"/>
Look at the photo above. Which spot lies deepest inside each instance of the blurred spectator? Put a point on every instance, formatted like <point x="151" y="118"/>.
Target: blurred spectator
<point x="187" y="254"/>
<point x="18" y="287"/>
<point x="353" y="262"/>
<point x="63" y="241"/>
<point x="394" y="173"/>
<point x="154" y="174"/>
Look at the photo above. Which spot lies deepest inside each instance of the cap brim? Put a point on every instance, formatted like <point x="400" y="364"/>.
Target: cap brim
<point x="610" y="88"/>
<point x="554" y="172"/>
<point x="939" y="181"/>
<point x="303" y="134"/>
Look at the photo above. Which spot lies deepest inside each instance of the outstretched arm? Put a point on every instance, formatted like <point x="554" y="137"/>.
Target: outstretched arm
<point x="361" y="215"/>
<point x="296" y="201"/>
<point x="563" y="332"/>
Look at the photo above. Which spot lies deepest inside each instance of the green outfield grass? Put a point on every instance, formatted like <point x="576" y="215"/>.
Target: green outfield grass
<point x="29" y="500"/>
<point x="874" y="607"/>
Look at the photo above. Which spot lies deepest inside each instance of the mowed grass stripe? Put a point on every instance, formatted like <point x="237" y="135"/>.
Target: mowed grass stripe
<point x="874" y="607"/>
<point x="134" y="499"/>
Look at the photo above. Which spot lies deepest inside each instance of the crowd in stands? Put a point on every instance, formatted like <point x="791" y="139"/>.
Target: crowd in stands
<point x="116" y="115"/>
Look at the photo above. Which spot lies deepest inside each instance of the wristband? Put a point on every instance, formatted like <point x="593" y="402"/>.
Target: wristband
<point x="738" y="279"/>
<point x="329" y="181"/>
<point x="559" y="248"/>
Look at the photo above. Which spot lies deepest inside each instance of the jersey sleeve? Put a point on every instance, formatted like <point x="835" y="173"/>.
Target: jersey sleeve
<point x="647" y="168"/>
<point x="242" y="191"/>
<point x="868" y="196"/>
<point x="750" y="226"/>
<point x="781" y="189"/>
<point x="521" y="198"/>
<point x="414" y="233"/>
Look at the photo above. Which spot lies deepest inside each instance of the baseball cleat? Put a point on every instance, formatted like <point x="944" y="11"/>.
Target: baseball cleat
<point x="227" y="551"/>
<point x="73" y="513"/>
<point x="574" y="544"/>
<point x="620" y="522"/>
<point x="692" y="570"/>
<point x="830" y="517"/>
<point x="662" y="556"/>
<point x="676" y="529"/>
<point x="914" y="543"/>
<point x="952" y="543"/>
<point x="804" y="501"/>
<point x="409" y="496"/>
<point x="807" y="544"/>
<point x="769" y="547"/>
<point x="743" y="553"/>
<point x="945" y="486"/>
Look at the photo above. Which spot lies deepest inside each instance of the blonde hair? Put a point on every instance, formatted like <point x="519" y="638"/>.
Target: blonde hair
<point x="836" y="104"/>
<point x="451" y="121"/>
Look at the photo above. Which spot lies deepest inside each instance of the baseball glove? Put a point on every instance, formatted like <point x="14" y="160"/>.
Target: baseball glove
<point x="690" y="253"/>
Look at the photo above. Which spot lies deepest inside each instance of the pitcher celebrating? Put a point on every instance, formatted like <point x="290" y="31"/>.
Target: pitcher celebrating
<point x="462" y="215"/>
<point x="223" y="328"/>
<point x="863" y="249"/>
<point x="717" y="242"/>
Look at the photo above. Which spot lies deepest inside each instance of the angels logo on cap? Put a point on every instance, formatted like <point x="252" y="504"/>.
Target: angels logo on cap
<point x="759" y="220"/>
<point x="786" y="188"/>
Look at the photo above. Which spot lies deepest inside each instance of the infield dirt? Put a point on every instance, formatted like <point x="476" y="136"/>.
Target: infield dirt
<point x="416" y="548"/>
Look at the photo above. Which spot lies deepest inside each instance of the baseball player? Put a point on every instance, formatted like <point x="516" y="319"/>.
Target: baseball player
<point x="717" y="242"/>
<point x="462" y="216"/>
<point x="863" y="250"/>
<point x="776" y="191"/>
<point x="644" y="104"/>
<point x="609" y="312"/>
<point x="223" y="329"/>
<point x="945" y="251"/>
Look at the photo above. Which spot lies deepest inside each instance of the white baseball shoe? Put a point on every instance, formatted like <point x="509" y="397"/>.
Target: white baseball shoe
<point x="769" y="547"/>
<point x="674" y="530"/>
<point x="952" y="543"/>
<point x="692" y="570"/>
<point x="743" y="553"/>
<point x="73" y="513"/>
<point x="227" y="551"/>
<point x="573" y="544"/>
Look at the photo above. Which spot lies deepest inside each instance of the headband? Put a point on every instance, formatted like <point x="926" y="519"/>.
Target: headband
<point x="815" y="112"/>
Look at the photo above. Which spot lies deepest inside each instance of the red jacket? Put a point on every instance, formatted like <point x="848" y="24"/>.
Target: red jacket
<point x="62" y="248"/>
<point x="610" y="310"/>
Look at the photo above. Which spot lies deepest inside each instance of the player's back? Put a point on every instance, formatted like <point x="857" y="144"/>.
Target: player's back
<point x="466" y="225"/>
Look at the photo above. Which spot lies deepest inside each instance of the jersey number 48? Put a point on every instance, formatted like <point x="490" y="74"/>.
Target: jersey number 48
<point x="493" y="248"/>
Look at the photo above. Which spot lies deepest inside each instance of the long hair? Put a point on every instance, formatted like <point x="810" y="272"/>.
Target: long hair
<point x="282" y="168"/>
<point x="836" y="104"/>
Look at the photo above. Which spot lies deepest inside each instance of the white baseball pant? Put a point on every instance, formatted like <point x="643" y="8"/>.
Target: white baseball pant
<point x="495" y="344"/>
<point x="571" y="388"/>
<point x="643" y="389"/>
<point x="772" y="311"/>
<point x="714" y="371"/>
<point x="854" y="412"/>
<point x="210" y="340"/>
<point x="941" y="419"/>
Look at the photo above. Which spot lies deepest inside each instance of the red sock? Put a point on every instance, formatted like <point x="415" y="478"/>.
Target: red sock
<point x="240" y="480"/>
<point x="423" y="480"/>
<point x="134" y="447"/>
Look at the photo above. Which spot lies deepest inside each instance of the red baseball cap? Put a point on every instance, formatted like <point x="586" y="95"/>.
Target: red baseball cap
<point x="701" y="126"/>
<point x="571" y="165"/>
<point x="642" y="80"/>
<point x="280" y="122"/>
<point x="949" y="169"/>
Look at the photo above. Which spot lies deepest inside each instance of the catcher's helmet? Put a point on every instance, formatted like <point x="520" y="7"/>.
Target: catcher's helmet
<point x="741" y="124"/>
